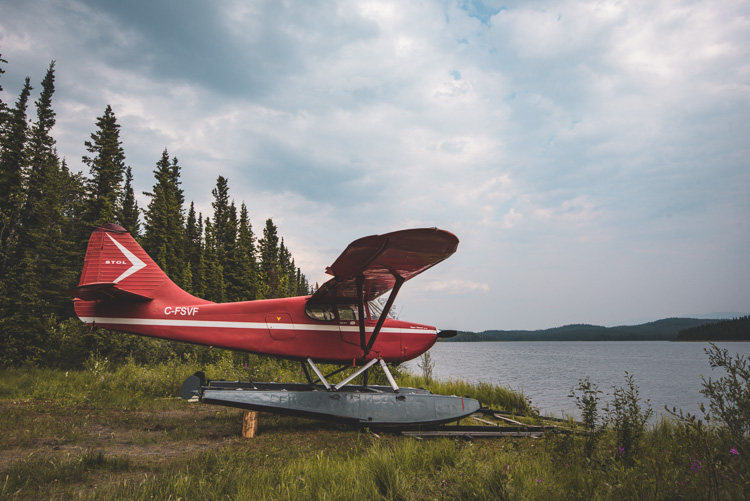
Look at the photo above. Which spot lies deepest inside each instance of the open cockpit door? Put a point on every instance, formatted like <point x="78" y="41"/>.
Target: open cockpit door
<point x="374" y="265"/>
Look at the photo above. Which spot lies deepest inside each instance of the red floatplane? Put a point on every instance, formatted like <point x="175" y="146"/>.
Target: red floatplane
<point x="122" y="288"/>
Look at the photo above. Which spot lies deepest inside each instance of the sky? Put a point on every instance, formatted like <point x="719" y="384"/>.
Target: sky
<point x="591" y="156"/>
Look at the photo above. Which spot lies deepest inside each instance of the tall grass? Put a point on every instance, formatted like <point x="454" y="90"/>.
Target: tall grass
<point x="405" y="469"/>
<point x="34" y="475"/>
<point x="389" y="468"/>
<point x="102" y="383"/>
<point x="130" y="384"/>
<point x="490" y="395"/>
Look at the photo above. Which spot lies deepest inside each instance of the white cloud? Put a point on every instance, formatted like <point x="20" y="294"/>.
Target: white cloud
<point x="454" y="286"/>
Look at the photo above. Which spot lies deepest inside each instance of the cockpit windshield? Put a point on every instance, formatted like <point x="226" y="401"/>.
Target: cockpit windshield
<point x="376" y="309"/>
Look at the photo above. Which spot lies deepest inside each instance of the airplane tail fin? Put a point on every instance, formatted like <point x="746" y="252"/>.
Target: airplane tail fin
<point x="116" y="267"/>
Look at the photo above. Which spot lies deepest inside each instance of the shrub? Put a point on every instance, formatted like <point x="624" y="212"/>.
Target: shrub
<point x="427" y="365"/>
<point x="729" y="396"/>
<point x="627" y="418"/>
<point x="587" y="400"/>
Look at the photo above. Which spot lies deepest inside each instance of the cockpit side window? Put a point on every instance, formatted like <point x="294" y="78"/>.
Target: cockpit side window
<point x="323" y="312"/>
<point x="326" y="312"/>
<point x="347" y="312"/>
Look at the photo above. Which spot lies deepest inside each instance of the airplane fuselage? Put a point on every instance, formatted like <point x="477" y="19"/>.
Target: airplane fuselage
<point x="278" y="327"/>
<point x="122" y="288"/>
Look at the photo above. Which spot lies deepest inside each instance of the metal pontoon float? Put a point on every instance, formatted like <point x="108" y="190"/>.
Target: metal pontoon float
<point x="374" y="406"/>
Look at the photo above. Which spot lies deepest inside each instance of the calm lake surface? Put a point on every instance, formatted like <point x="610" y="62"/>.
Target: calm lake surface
<point x="666" y="373"/>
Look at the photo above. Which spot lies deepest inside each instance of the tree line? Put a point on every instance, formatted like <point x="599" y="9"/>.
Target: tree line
<point x="737" y="329"/>
<point x="47" y="213"/>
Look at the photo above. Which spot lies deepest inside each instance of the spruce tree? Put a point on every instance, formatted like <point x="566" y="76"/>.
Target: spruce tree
<point x="224" y="221"/>
<point x="214" y="288"/>
<point x="41" y="142"/>
<point x="242" y="282"/>
<point x="50" y="192"/>
<point x="71" y="192"/>
<point x="12" y="162"/>
<point x="106" y="166"/>
<point x="42" y="169"/>
<point x="194" y="251"/>
<point x="286" y="271"/>
<point x="269" y="262"/>
<point x="128" y="216"/>
<point x="164" y="230"/>
<point x="303" y="286"/>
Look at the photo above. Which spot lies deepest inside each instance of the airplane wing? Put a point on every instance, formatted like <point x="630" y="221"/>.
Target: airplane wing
<point x="381" y="259"/>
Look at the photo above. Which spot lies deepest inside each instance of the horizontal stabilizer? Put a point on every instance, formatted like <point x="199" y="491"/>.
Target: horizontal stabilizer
<point x="104" y="291"/>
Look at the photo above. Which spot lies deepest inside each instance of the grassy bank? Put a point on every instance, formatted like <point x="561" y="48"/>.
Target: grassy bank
<point x="119" y="433"/>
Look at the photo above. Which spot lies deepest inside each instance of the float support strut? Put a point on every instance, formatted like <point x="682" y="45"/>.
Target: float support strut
<point x="388" y="375"/>
<point x="318" y="373"/>
<point x="356" y="373"/>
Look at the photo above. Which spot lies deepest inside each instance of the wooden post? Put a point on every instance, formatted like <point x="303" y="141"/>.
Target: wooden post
<point x="250" y="424"/>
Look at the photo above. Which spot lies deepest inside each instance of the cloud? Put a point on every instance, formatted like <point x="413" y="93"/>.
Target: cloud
<point x="455" y="286"/>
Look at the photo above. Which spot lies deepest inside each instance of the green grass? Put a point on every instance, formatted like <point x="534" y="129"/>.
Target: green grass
<point x="120" y="433"/>
<point x="37" y="474"/>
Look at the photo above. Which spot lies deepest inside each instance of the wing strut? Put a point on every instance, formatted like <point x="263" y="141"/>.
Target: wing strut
<point x="361" y="311"/>
<point x="388" y="304"/>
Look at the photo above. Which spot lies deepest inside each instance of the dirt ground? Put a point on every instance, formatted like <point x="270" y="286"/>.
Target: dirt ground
<point x="175" y="428"/>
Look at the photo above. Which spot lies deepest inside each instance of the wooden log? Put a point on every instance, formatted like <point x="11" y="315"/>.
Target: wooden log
<point x="498" y="416"/>
<point x="483" y="420"/>
<point x="472" y="434"/>
<point x="249" y="424"/>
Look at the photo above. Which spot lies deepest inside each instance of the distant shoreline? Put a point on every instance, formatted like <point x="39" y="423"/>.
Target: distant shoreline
<point x="668" y="329"/>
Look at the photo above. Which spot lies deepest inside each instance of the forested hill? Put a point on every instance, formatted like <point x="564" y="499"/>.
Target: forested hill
<point x="661" y="330"/>
<point x="737" y="329"/>
<point x="48" y="211"/>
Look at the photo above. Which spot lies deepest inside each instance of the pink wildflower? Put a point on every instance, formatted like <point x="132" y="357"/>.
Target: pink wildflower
<point x="734" y="452"/>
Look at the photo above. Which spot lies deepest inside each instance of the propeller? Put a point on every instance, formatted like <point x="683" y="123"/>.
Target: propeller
<point x="446" y="334"/>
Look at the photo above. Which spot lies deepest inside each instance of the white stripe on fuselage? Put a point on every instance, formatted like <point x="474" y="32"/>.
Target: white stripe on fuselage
<point x="159" y="322"/>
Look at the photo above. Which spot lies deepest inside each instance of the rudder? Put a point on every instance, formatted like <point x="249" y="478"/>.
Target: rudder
<point x="117" y="267"/>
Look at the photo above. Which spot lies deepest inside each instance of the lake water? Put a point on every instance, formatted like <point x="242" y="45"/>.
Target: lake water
<point x="666" y="373"/>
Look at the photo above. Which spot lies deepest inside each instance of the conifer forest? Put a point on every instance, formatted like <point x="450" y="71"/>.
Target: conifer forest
<point x="48" y="211"/>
